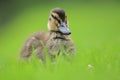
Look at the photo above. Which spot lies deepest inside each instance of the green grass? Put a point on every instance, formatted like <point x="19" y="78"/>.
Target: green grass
<point x="96" y="34"/>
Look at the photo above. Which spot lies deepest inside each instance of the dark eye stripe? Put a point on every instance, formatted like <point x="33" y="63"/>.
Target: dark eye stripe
<point x="56" y="18"/>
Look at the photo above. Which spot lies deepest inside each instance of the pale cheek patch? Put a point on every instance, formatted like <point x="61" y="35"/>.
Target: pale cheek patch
<point x="52" y="26"/>
<point x="48" y="26"/>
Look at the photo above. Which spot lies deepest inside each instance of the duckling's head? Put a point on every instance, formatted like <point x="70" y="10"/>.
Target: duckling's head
<point x="58" y="21"/>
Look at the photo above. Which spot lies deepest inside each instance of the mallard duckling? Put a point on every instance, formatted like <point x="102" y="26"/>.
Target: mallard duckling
<point x="56" y="40"/>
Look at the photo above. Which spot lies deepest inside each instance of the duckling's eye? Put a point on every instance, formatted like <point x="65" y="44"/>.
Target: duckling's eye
<point x="56" y="18"/>
<point x="50" y="19"/>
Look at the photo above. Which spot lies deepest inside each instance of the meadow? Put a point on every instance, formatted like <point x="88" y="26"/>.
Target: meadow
<point x="95" y="31"/>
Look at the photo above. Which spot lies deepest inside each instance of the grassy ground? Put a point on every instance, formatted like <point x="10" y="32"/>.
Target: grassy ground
<point x="95" y="31"/>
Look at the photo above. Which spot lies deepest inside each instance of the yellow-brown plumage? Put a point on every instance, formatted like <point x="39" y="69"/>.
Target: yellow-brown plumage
<point x="56" y="38"/>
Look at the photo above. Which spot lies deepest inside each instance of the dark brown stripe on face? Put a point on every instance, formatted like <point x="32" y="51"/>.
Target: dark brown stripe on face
<point x="55" y="18"/>
<point x="60" y="12"/>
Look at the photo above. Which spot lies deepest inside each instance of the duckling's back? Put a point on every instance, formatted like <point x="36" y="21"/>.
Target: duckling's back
<point x="35" y="42"/>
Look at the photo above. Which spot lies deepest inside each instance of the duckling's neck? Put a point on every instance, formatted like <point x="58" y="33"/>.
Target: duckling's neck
<point x="58" y="35"/>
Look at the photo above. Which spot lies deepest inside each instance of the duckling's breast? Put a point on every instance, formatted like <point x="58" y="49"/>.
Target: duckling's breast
<point x="56" y="43"/>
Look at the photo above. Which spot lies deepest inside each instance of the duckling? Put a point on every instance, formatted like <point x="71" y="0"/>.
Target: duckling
<point x="56" y="40"/>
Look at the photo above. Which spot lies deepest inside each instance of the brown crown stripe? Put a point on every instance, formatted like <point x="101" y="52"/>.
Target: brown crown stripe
<point x="60" y="12"/>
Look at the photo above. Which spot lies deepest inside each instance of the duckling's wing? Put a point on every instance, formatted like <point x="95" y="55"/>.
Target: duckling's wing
<point x="26" y="50"/>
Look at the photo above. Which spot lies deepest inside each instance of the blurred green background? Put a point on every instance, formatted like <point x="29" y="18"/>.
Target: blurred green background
<point x="95" y="27"/>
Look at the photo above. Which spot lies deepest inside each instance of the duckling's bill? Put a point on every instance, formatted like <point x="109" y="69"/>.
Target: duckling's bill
<point x="64" y="29"/>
